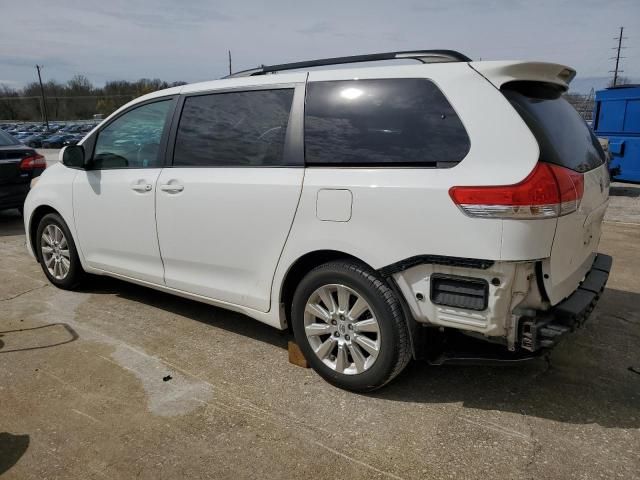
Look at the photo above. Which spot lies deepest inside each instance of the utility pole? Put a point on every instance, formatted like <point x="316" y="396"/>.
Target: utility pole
<point x="617" y="58"/>
<point x="44" y="100"/>
<point x="229" y="62"/>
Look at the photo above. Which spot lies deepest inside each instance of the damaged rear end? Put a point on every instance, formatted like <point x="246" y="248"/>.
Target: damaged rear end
<point x="529" y="303"/>
<point x="573" y="187"/>
<point x="575" y="275"/>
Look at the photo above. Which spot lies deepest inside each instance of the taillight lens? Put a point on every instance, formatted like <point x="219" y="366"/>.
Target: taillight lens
<point x="33" y="162"/>
<point x="549" y="191"/>
<point x="571" y="186"/>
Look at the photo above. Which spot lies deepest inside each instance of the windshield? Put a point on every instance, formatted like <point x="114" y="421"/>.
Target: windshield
<point x="564" y="137"/>
<point x="6" y="139"/>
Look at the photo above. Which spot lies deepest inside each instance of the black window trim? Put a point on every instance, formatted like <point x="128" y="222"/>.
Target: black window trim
<point x="293" y="154"/>
<point x="390" y="165"/>
<point x="91" y="141"/>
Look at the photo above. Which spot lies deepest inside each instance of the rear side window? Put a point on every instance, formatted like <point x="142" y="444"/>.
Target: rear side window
<point x="392" y="122"/>
<point x="236" y="129"/>
<point x="563" y="136"/>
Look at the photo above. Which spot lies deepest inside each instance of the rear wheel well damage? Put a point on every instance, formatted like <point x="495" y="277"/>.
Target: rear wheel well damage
<point x="309" y="261"/>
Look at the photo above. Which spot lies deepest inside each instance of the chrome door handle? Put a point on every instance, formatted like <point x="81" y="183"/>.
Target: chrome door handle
<point x="171" y="188"/>
<point x="141" y="187"/>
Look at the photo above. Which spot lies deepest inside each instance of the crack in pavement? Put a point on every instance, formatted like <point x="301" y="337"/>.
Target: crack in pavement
<point x="6" y="299"/>
<point x="536" y="447"/>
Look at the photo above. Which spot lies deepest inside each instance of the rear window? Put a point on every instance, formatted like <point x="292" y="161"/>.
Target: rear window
<point x="564" y="137"/>
<point x="7" y="139"/>
<point x="393" y="122"/>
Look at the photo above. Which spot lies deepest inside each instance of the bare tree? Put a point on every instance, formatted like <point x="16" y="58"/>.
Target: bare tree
<point x="74" y="100"/>
<point x="620" y="81"/>
<point x="8" y="103"/>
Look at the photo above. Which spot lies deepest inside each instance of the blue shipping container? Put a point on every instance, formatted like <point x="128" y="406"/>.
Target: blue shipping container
<point x="616" y="116"/>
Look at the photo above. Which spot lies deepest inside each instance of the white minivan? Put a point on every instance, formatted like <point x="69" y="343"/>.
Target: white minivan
<point x="375" y="211"/>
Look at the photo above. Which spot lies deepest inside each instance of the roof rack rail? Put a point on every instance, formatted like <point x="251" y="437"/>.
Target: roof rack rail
<point x="424" y="56"/>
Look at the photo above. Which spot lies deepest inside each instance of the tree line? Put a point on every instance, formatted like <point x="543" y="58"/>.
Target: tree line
<point x="77" y="99"/>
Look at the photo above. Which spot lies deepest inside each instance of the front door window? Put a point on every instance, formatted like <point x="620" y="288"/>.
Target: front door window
<point x="133" y="140"/>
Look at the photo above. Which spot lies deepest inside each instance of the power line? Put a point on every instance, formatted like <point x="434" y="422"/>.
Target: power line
<point x="617" y="58"/>
<point x="44" y="100"/>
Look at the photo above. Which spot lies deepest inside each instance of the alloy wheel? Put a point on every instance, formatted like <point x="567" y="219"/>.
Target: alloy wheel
<point x="342" y="329"/>
<point x="55" y="252"/>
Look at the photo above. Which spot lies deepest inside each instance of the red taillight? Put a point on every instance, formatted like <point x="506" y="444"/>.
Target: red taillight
<point x="548" y="191"/>
<point x="571" y="186"/>
<point x="33" y="162"/>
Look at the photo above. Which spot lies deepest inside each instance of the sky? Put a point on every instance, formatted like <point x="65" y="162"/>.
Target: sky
<point x="188" y="40"/>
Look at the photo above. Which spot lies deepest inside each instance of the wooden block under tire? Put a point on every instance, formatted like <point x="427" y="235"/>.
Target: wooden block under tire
<point x="295" y="355"/>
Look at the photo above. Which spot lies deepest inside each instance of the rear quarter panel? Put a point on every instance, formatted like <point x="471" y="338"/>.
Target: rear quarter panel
<point x="401" y="212"/>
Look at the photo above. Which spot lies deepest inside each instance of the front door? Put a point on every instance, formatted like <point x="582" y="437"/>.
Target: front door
<point x="113" y="201"/>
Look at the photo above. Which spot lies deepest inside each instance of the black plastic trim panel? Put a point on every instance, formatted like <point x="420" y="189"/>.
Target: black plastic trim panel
<point x="574" y="310"/>
<point x="435" y="260"/>
<point x="459" y="292"/>
<point x="548" y="328"/>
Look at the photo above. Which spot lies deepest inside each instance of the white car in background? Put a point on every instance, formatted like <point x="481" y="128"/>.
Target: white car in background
<point x="365" y="208"/>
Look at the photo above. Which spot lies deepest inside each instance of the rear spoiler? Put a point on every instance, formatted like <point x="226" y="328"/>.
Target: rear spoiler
<point x="499" y="73"/>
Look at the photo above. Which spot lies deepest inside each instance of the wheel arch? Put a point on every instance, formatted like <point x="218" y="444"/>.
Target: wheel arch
<point x="34" y="221"/>
<point x="303" y="265"/>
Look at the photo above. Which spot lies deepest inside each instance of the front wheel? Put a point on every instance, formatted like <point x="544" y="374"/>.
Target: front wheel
<point x="57" y="252"/>
<point x="350" y="326"/>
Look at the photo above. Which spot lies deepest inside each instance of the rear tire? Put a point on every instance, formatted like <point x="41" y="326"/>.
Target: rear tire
<point x="350" y="326"/>
<point x="57" y="252"/>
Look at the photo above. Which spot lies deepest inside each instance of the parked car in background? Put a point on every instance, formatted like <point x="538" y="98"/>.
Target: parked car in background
<point x="19" y="165"/>
<point x="73" y="139"/>
<point x="15" y="129"/>
<point x="75" y="128"/>
<point x="35" y="140"/>
<point x="57" y="140"/>
<point x="20" y="136"/>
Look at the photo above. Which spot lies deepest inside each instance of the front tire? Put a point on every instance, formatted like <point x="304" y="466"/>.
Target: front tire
<point x="57" y="252"/>
<point x="350" y="326"/>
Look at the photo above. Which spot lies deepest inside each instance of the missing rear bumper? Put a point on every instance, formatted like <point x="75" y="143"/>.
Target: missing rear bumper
<point x="547" y="329"/>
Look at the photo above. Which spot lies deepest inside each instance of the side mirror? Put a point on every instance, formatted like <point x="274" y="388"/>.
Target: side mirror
<point x="72" y="156"/>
